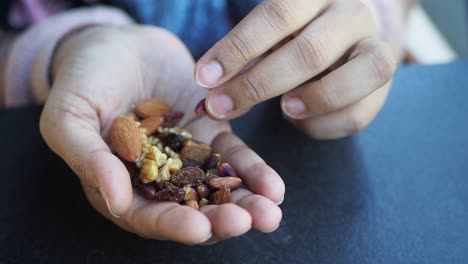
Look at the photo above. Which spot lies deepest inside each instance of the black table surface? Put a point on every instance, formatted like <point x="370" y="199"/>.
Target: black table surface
<point x="396" y="193"/>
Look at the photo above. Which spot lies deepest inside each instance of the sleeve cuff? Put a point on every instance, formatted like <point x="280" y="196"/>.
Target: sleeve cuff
<point x="390" y="20"/>
<point x="29" y="59"/>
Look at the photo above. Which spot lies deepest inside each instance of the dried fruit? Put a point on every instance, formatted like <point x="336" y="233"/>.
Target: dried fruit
<point x="193" y="204"/>
<point x="211" y="173"/>
<point x="125" y="138"/>
<point x="200" y="108"/>
<point x="226" y="170"/>
<point x="148" y="191"/>
<point x="174" y="141"/>
<point x="190" y="194"/>
<point x="151" y="124"/>
<point x="151" y="107"/>
<point x="229" y="182"/>
<point x="188" y="176"/>
<point x="132" y="170"/>
<point x="135" y="181"/>
<point x="203" y="191"/>
<point x="203" y="202"/>
<point x="222" y="196"/>
<point x="170" y="193"/>
<point x="213" y="162"/>
<point x="187" y="163"/>
<point x="172" y="119"/>
<point x="195" y="152"/>
<point x="165" y="163"/>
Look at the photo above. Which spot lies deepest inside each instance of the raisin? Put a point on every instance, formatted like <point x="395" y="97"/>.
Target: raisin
<point x="222" y="196"/>
<point x="188" y="163"/>
<point x="174" y="141"/>
<point x="188" y="176"/>
<point x="171" y="193"/>
<point x="172" y="119"/>
<point x="195" y="152"/>
<point x="211" y="173"/>
<point x="147" y="190"/>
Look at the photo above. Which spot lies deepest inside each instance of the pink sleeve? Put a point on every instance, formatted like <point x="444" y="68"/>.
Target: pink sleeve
<point x="26" y="70"/>
<point x="391" y="18"/>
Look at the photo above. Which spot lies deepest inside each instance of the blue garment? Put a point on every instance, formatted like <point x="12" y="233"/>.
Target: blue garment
<point x="199" y="23"/>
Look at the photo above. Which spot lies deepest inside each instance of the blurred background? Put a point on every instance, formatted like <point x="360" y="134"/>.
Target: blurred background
<point x="438" y="32"/>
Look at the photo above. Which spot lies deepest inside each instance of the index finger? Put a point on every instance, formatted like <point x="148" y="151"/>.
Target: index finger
<point x="266" y="25"/>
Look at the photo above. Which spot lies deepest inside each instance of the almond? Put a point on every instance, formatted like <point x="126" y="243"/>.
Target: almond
<point x="151" y="107"/>
<point x="151" y="124"/>
<point x="229" y="182"/>
<point x="125" y="138"/>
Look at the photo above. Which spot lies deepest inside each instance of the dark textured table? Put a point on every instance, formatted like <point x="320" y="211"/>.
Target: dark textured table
<point x="396" y="193"/>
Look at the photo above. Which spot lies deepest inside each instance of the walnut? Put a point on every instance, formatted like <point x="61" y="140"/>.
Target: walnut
<point x="172" y="165"/>
<point x="149" y="171"/>
<point x="155" y="154"/>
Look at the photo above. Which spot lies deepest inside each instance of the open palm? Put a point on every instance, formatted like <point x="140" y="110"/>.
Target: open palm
<point x="100" y="73"/>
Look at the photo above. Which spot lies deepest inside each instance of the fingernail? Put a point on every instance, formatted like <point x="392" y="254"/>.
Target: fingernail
<point x="106" y="200"/>
<point x="220" y="105"/>
<point x="209" y="73"/>
<point x="201" y="242"/>
<point x="280" y="202"/>
<point x="294" y="106"/>
<point x="273" y="229"/>
<point x="200" y="108"/>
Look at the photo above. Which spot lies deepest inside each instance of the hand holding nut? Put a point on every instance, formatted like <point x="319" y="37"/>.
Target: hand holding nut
<point x="92" y="88"/>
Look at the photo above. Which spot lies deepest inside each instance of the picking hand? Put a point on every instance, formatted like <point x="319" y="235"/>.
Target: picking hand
<point x="324" y="57"/>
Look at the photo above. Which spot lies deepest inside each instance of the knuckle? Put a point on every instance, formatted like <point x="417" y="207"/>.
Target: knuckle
<point x="241" y="47"/>
<point x="278" y="15"/>
<point x="382" y="63"/>
<point x="329" y="100"/>
<point x="79" y="167"/>
<point x="254" y="88"/>
<point x="310" y="54"/>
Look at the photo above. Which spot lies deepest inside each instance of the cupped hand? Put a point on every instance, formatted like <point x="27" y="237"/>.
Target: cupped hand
<point x="324" y="57"/>
<point x="98" y="73"/>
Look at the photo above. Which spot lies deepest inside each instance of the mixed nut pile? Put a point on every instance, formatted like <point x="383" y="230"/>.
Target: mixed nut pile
<point x="165" y="163"/>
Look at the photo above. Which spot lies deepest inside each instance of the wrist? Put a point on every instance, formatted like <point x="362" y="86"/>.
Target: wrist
<point x="28" y="62"/>
<point x="5" y="47"/>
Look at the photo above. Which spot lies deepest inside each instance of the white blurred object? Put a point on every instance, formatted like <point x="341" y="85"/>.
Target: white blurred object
<point x="424" y="42"/>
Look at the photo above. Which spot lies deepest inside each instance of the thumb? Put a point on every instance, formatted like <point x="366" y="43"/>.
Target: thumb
<point x="70" y="126"/>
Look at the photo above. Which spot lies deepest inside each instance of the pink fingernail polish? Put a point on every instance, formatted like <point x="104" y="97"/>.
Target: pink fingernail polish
<point x="200" y="108"/>
<point x="209" y="73"/>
